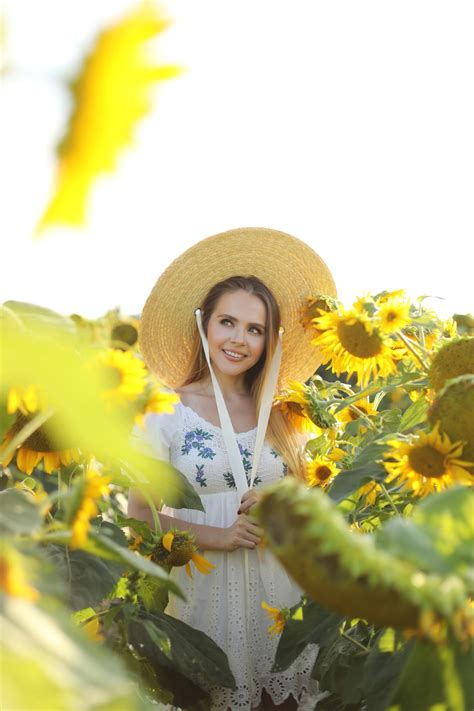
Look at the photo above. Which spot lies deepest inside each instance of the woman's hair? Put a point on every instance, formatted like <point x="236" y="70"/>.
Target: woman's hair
<point x="280" y="432"/>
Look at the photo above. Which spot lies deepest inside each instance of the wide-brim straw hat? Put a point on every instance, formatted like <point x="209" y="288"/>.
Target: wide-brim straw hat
<point x="289" y="267"/>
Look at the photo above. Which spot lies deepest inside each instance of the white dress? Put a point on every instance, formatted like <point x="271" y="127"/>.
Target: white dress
<point x="216" y="603"/>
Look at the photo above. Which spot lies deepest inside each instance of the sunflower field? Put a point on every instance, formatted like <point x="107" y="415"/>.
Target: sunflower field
<point x="380" y="537"/>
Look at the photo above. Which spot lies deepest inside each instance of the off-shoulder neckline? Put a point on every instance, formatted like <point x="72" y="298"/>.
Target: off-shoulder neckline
<point x="210" y="424"/>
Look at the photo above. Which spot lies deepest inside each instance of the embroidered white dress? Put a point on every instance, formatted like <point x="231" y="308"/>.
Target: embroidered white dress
<point x="218" y="603"/>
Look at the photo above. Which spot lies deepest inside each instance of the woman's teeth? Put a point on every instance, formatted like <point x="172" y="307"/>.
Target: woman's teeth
<point x="234" y="356"/>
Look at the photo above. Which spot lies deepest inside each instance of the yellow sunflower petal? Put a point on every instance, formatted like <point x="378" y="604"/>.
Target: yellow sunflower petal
<point x="167" y="540"/>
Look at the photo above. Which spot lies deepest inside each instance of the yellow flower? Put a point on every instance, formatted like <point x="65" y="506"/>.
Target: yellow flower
<point x="320" y="472"/>
<point x="202" y="564"/>
<point x="387" y="295"/>
<point x="93" y="630"/>
<point x="178" y="548"/>
<point x="370" y="491"/>
<point x="336" y="454"/>
<point x="39" y="446"/>
<point x="294" y="404"/>
<point x="279" y="618"/>
<point x="314" y="307"/>
<point x="27" y="399"/>
<point x="96" y="486"/>
<point x="393" y="315"/>
<point x="350" y="414"/>
<point x="111" y="94"/>
<point x="122" y="375"/>
<point x="13" y="580"/>
<point x="160" y="402"/>
<point x="428" y="462"/>
<point x="351" y="343"/>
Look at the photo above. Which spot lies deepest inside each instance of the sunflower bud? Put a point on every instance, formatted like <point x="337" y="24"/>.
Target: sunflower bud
<point x="453" y="408"/>
<point x="454" y="358"/>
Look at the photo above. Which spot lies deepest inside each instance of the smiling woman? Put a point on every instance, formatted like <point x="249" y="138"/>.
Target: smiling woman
<point x="229" y="442"/>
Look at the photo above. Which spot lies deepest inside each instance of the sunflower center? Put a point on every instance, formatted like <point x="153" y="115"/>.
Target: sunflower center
<point x="357" y="341"/>
<point x="323" y="473"/>
<point x="38" y="441"/>
<point x="110" y="377"/>
<point x="355" y="415"/>
<point x="427" y="461"/>
<point x="391" y="316"/>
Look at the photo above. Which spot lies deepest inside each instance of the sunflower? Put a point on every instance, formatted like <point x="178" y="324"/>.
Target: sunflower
<point x="295" y="405"/>
<point x="35" y="448"/>
<point x="122" y="375"/>
<point x="320" y="472"/>
<point x="356" y="410"/>
<point x="177" y="548"/>
<point x="393" y="315"/>
<point x="314" y="307"/>
<point x="96" y="485"/>
<point x="428" y="462"/>
<point x="160" y="402"/>
<point x="353" y="345"/>
<point x="385" y="296"/>
<point x="279" y="618"/>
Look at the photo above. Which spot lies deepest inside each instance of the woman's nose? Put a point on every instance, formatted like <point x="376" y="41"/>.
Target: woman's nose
<point x="238" y="335"/>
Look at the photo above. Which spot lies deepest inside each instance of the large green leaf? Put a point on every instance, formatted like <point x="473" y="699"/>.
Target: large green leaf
<point x="380" y="675"/>
<point x="339" y="666"/>
<point x="314" y="625"/>
<point x="430" y="678"/>
<point x="176" y="645"/>
<point x="19" y="514"/>
<point x="88" y="579"/>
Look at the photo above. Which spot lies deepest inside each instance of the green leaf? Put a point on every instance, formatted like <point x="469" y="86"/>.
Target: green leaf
<point x="88" y="579"/>
<point x="170" y="643"/>
<point x="430" y="678"/>
<point x="19" y="514"/>
<point x="414" y="415"/>
<point x="315" y="626"/>
<point x="141" y="527"/>
<point x="381" y="673"/>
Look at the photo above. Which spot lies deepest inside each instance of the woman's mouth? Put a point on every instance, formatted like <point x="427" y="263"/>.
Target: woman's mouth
<point x="233" y="356"/>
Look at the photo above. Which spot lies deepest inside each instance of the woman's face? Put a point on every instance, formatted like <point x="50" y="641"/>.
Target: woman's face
<point x="236" y="332"/>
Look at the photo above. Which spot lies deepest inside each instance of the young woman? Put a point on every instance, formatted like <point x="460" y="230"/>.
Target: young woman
<point x="215" y="337"/>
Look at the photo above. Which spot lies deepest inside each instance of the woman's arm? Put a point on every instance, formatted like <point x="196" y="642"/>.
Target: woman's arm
<point x="243" y="533"/>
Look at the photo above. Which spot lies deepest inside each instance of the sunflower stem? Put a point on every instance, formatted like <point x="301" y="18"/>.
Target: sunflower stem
<point x="389" y="498"/>
<point x="154" y="512"/>
<point x="364" y="417"/>
<point x="355" y="641"/>
<point x="411" y="348"/>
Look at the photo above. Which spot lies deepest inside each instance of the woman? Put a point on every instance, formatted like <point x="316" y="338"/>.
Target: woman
<point x="214" y="337"/>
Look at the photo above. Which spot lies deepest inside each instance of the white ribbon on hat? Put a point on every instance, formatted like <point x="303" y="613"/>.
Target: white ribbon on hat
<point x="230" y="439"/>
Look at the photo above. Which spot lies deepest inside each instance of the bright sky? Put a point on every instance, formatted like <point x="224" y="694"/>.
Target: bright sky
<point x="347" y="124"/>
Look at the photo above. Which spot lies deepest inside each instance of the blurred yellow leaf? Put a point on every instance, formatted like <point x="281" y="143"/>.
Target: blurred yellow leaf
<point x="111" y="94"/>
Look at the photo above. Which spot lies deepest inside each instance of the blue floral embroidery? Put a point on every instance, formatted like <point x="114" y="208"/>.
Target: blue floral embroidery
<point x="275" y="453"/>
<point x="284" y="464"/>
<point x="285" y="469"/>
<point x="195" y="439"/>
<point x="200" y="475"/>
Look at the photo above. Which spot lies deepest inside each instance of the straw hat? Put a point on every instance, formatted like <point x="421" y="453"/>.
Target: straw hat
<point x="288" y="266"/>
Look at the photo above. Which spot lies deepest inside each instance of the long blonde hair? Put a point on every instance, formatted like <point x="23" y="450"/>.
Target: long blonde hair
<point x="280" y="432"/>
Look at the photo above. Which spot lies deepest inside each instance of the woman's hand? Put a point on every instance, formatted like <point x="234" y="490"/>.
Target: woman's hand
<point x="243" y="533"/>
<point x="249" y="499"/>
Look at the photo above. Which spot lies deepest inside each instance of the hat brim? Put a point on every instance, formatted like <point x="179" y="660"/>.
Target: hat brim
<point x="289" y="267"/>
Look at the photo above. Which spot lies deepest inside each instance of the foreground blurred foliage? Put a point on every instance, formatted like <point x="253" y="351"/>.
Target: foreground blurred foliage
<point x="111" y="93"/>
<point x="79" y="594"/>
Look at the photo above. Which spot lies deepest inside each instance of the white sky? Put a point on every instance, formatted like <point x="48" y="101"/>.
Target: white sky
<point x="348" y="124"/>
